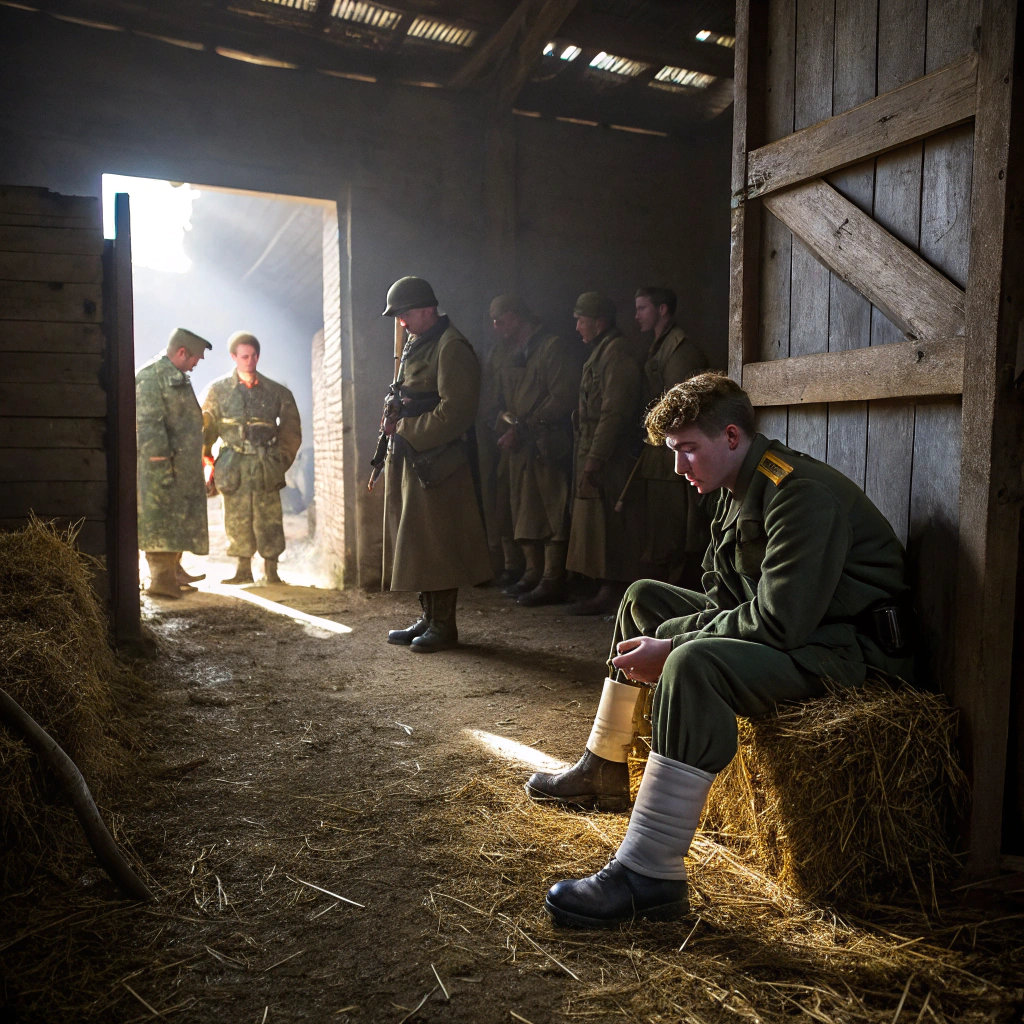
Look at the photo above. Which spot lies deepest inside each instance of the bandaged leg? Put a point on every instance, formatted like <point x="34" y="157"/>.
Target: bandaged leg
<point x="665" y="818"/>
<point x="612" y="732"/>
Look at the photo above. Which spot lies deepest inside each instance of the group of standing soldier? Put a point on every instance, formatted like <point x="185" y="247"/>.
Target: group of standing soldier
<point x="547" y="443"/>
<point x="257" y="424"/>
<point x="576" y="490"/>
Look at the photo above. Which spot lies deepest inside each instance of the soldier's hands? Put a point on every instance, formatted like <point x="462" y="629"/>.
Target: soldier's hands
<point x="509" y="440"/>
<point x="591" y="484"/>
<point x="642" y="658"/>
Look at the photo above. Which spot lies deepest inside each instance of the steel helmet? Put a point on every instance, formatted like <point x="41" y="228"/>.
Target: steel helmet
<point x="409" y="293"/>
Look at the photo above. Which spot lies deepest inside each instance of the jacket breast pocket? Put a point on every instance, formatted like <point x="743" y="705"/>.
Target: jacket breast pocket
<point x="751" y="546"/>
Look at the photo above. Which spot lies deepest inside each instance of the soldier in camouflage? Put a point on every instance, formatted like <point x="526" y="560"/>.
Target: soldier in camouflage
<point x="171" y="496"/>
<point x="257" y="422"/>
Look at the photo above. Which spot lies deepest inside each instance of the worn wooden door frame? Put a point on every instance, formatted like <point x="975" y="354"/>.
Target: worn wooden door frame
<point x="122" y="500"/>
<point x="958" y="342"/>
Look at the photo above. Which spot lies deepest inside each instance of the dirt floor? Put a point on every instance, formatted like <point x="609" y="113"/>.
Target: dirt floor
<point x="335" y="830"/>
<point x="282" y="752"/>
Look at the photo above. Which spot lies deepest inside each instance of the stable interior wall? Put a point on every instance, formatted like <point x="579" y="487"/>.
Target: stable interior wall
<point x="591" y="207"/>
<point x="823" y="59"/>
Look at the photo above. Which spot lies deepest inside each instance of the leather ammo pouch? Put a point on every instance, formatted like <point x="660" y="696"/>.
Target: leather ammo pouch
<point x="434" y="465"/>
<point x="891" y="624"/>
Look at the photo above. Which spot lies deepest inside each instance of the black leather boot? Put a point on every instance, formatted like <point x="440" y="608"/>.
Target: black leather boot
<point x="590" y="782"/>
<point x="614" y="895"/>
<point x="525" y="584"/>
<point x="418" y="628"/>
<point x="509" y="575"/>
<point x="442" y="633"/>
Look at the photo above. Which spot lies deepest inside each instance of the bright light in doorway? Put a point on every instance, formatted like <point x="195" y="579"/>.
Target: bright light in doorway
<point x="161" y="213"/>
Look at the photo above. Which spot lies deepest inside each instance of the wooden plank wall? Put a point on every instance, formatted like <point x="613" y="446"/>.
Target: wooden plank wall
<point x="825" y="57"/>
<point x="53" y="404"/>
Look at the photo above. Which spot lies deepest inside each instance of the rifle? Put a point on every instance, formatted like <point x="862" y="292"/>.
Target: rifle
<point x="392" y="403"/>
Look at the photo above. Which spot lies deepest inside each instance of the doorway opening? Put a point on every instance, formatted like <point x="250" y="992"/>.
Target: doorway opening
<point x="215" y="261"/>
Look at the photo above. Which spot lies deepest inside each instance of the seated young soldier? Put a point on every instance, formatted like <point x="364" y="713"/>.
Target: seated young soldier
<point x="803" y="583"/>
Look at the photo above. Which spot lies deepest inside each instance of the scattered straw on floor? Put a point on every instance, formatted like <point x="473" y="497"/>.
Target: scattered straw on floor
<point x="849" y="796"/>
<point x="56" y="662"/>
<point x="752" y="949"/>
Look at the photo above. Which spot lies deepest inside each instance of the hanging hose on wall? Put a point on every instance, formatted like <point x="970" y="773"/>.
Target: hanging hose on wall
<point x="111" y="859"/>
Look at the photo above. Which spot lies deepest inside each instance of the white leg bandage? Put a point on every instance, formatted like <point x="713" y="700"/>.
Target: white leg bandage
<point x="612" y="732"/>
<point x="665" y="817"/>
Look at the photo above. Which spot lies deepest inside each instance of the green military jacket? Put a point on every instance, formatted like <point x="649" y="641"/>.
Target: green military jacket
<point x="797" y="552"/>
<point x="672" y="358"/>
<point x="259" y="422"/>
<point x="540" y="387"/>
<point x="171" y="491"/>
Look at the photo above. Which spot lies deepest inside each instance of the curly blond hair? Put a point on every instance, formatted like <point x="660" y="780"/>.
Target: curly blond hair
<point x="711" y="401"/>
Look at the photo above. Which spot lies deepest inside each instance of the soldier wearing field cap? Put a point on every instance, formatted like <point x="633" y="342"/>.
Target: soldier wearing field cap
<point x="804" y="581"/>
<point x="171" y="493"/>
<point x="604" y="542"/>
<point x="539" y="388"/>
<point x="257" y="422"/>
<point x="434" y="540"/>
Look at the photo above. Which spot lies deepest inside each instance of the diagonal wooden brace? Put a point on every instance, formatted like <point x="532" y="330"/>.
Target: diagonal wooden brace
<point x="920" y="301"/>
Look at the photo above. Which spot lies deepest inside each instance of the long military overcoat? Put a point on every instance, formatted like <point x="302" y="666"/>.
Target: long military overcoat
<point x="675" y="524"/>
<point x="171" y="491"/>
<point x="603" y="543"/>
<point x="494" y="469"/>
<point x="434" y="536"/>
<point x="541" y="385"/>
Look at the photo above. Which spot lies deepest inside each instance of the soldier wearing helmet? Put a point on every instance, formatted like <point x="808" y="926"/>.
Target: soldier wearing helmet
<point x="434" y="539"/>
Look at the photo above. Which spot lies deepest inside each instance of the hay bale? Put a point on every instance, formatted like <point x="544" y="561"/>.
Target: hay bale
<point x="56" y="662"/>
<point x="851" y="796"/>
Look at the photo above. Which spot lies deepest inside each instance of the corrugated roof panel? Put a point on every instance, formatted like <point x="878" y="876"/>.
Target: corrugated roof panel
<point x="298" y="5"/>
<point x="362" y="13"/>
<point x="430" y="30"/>
<point x="670" y="76"/>
<point x="618" y="65"/>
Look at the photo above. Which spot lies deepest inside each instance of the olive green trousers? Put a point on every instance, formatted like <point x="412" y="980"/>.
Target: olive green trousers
<point x="252" y="516"/>
<point x="706" y="683"/>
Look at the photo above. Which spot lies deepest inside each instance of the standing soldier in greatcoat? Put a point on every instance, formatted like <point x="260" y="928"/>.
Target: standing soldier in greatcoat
<point x="494" y="468"/>
<point x="434" y="539"/>
<point x="603" y="541"/>
<point x="257" y="422"/>
<point x="171" y="494"/>
<point x="539" y="385"/>
<point x="676" y="527"/>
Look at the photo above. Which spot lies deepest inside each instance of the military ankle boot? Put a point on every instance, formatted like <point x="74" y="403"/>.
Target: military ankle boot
<point x="270" y="570"/>
<point x="418" y="628"/>
<point x="185" y="578"/>
<point x="441" y="633"/>
<point x="591" y="782"/>
<point x="163" y="577"/>
<point x="243" y="572"/>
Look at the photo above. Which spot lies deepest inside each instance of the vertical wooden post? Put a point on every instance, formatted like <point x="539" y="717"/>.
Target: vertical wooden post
<point x="748" y="131"/>
<point x="122" y="507"/>
<point x="990" y="478"/>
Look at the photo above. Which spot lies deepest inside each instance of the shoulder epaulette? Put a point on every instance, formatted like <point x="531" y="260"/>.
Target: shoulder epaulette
<point x="774" y="468"/>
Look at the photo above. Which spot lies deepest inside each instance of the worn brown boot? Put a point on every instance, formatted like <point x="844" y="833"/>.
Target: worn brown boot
<point x="270" y="570"/>
<point x="591" y="782"/>
<point x="604" y="602"/>
<point x="442" y="633"/>
<point x="163" y="578"/>
<point x="185" y="578"/>
<point x="243" y="572"/>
